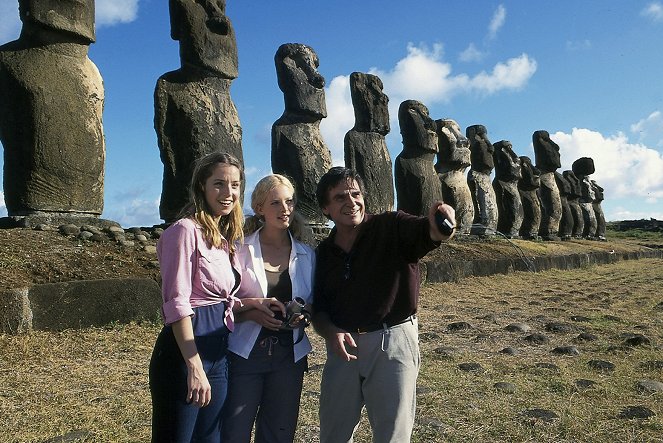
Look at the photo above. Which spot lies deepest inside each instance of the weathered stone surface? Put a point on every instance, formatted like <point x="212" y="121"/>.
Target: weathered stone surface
<point x="566" y="222"/>
<point x="453" y="158"/>
<point x="566" y="350"/>
<point x="194" y="113"/>
<point x="528" y="187"/>
<point x="471" y="367"/>
<point x="53" y="160"/>
<point x="417" y="184"/>
<point x="601" y="365"/>
<point x="459" y="326"/>
<point x="649" y="386"/>
<point x="546" y="153"/>
<point x="507" y="174"/>
<point x="517" y="327"/>
<point x="583" y="166"/>
<point x="478" y="180"/>
<point x="365" y="148"/>
<point x="637" y="340"/>
<point x="540" y="414"/>
<point x="575" y="193"/>
<point x="298" y="150"/>
<point x="637" y="412"/>
<point x="506" y="387"/>
<point x="584" y="383"/>
<point x="598" y="210"/>
<point x="537" y="339"/>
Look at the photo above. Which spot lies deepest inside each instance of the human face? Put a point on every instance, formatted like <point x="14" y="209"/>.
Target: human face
<point x="222" y="189"/>
<point x="277" y="208"/>
<point x="345" y="204"/>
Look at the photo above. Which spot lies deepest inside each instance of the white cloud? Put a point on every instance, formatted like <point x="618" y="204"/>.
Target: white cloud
<point x="112" y="12"/>
<point x="340" y="116"/>
<point x="622" y="213"/>
<point x="654" y="11"/>
<point x="650" y="129"/>
<point x="513" y="75"/>
<point x="10" y="24"/>
<point x="496" y="23"/>
<point x="138" y="212"/>
<point x="3" y="208"/>
<point x="471" y="54"/>
<point x="623" y="169"/>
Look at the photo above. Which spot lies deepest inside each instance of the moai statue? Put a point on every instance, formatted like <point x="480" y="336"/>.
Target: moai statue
<point x="417" y="185"/>
<point x="364" y="145"/>
<point x="598" y="211"/>
<point x="453" y="158"/>
<point x="478" y="179"/>
<point x="194" y="114"/>
<point x="298" y="150"/>
<point x="546" y="154"/>
<point x="505" y="184"/>
<point x="566" y="223"/>
<point x="51" y="102"/>
<point x="572" y="199"/>
<point x="528" y="187"/>
<point x="583" y="168"/>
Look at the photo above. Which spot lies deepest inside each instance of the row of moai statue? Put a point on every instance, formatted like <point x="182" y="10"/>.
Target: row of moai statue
<point x="54" y="161"/>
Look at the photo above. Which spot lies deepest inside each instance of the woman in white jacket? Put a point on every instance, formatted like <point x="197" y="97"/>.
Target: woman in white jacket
<point x="268" y="353"/>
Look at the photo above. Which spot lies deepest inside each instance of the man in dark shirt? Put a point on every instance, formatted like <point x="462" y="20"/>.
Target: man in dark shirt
<point x="365" y="299"/>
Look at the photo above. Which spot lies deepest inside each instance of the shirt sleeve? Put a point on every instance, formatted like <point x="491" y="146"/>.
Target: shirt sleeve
<point x="177" y="260"/>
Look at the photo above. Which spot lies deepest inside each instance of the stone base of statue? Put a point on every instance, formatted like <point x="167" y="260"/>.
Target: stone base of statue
<point x="55" y="219"/>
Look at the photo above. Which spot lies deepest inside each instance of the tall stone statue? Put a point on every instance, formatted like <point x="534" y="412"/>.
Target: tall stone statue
<point x="298" y="150"/>
<point x="478" y="179"/>
<point x="528" y="187"/>
<point x="546" y="154"/>
<point x="453" y="158"/>
<point x="598" y="211"/>
<point x="583" y="168"/>
<point x="509" y="204"/>
<point x="364" y="145"/>
<point x="194" y="114"/>
<point x="417" y="185"/>
<point x="566" y="223"/>
<point x="572" y="199"/>
<point x="51" y="102"/>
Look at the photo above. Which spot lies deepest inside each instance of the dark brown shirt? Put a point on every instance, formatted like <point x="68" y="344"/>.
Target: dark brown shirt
<point x="378" y="280"/>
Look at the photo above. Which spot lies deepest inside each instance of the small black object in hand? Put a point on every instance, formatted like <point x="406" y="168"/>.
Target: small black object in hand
<point x="443" y="224"/>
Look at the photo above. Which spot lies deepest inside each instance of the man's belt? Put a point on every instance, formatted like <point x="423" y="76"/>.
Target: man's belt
<point x="385" y="325"/>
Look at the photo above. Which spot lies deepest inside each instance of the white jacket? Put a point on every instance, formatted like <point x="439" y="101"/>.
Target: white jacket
<point x="254" y="284"/>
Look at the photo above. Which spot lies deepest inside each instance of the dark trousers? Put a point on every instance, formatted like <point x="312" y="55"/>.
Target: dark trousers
<point x="173" y="419"/>
<point x="265" y="389"/>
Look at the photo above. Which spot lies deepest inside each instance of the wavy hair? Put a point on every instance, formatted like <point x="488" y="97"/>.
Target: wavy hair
<point x="298" y="227"/>
<point x="230" y="226"/>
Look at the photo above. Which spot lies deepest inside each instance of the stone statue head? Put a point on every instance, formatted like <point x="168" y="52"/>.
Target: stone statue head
<point x="299" y="79"/>
<point x="576" y="188"/>
<point x="206" y="36"/>
<point x="507" y="163"/>
<point x="583" y="166"/>
<point x="481" y="149"/>
<point x="546" y="152"/>
<point x="417" y="128"/>
<point x="370" y="103"/>
<point x="531" y="177"/>
<point x="74" y="17"/>
<point x="454" y="148"/>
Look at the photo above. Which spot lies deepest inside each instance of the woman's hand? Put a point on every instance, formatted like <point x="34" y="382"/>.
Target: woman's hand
<point x="266" y="305"/>
<point x="199" y="391"/>
<point x="264" y="319"/>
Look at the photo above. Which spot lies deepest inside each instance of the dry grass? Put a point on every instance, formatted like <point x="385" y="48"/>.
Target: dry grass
<point x="91" y="385"/>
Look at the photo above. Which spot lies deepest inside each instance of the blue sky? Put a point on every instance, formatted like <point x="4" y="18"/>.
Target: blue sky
<point x="588" y="72"/>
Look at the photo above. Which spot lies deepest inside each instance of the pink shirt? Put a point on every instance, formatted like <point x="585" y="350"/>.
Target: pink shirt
<point x="194" y="274"/>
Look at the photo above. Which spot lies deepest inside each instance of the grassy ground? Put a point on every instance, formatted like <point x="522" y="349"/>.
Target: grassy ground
<point x="91" y="385"/>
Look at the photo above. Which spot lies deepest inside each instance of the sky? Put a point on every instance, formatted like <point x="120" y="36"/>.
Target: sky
<point x="588" y="72"/>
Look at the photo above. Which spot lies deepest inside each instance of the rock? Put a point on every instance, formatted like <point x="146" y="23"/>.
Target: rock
<point x="652" y="365"/>
<point x="458" y="326"/>
<point x="580" y="318"/>
<point x="506" y="387"/>
<point x="510" y="351"/>
<point x="537" y="339"/>
<point x="423" y="390"/>
<point x="518" y="327"/>
<point x="540" y="414"/>
<point x="150" y="249"/>
<point x="637" y="340"/>
<point x="470" y="367"/>
<point x="428" y="336"/>
<point x="650" y="386"/>
<point x="69" y="229"/>
<point x="559" y="328"/>
<point x="586" y="336"/>
<point x="445" y="351"/>
<point x="637" y="412"/>
<point x="566" y="350"/>
<point x="85" y="235"/>
<point x="584" y="383"/>
<point x="601" y="365"/>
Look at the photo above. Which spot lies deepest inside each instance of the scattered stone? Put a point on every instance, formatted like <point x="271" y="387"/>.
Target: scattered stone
<point x="586" y="336"/>
<point x="458" y="326"/>
<point x="127" y="243"/>
<point x="566" y="350"/>
<point x="540" y="414"/>
<point x="537" y="339"/>
<point x="534" y="303"/>
<point x="445" y="351"/>
<point x="115" y="229"/>
<point x="491" y="318"/>
<point x="432" y="422"/>
<point x="601" y="365"/>
<point x="43" y="227"/>
<point x="98" y="237"/>
<point x="639" y="412"/>
<point x="650" y="386"/>
<point x="659" y="307"/>
<point x="559" y="328"/>
<point x="428" y="336"/>
<point x="483" y="338"/>
<point x="585" y="384"/>
<point x="518" y="327"/>
<point x="506" y="387"/>
<point x="652" y="364"/>
<point x="550" y="366"/>
<point x="69" y="229"/>
<point x="73" y="436"/>
<point x="580" y="318"/>
<point x="140" y="238"/>
<point x="612" y="318"/>
<point x="153" y="264"/>
<point x="510" y="351"/>
<point x="150" y="249"/>
<point x="637" y="340"/>
<point x="85" y="235"/>
<point x="470" y="367"/>
<point x="156" y="233"/>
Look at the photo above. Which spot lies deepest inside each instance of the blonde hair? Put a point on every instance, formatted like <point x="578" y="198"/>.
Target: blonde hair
<point x="297" y="228"/>
<point x="230" y="226"/>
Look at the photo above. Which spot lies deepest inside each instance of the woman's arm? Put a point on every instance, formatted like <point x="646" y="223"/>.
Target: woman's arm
<point x="199" y="391"/>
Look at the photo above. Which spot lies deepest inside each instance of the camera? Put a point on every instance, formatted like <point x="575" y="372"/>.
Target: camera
<point x="293" y="309"/>
<point x="443" y="224"/>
